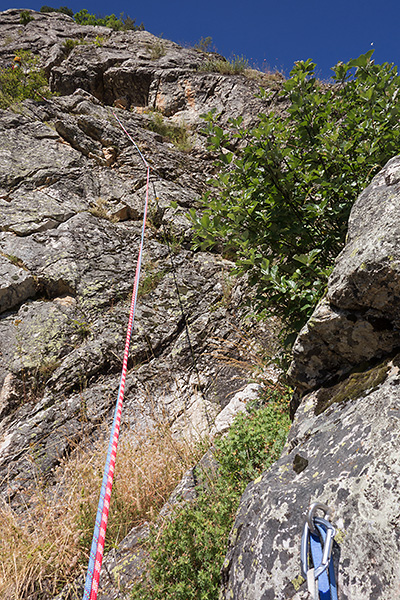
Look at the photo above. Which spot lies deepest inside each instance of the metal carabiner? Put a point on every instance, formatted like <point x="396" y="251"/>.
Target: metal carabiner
<point x="311" y="514"/>
<point x="309" y="526"/>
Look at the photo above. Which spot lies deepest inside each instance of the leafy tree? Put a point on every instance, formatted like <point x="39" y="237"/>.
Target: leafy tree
<point x="281" y="201"/>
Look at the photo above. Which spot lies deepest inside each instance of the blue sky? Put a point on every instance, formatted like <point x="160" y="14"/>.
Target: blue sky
<point x="274" y="33"/>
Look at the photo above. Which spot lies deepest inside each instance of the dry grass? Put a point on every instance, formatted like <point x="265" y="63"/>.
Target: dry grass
<point x="48" y="545"/>
<point x="101" y="209"/>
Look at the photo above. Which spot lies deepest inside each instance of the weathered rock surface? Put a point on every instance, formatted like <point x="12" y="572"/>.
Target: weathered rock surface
<point x="343" y="448"/>
<point x="72" y="190"/>
<point x="133" y="69"/>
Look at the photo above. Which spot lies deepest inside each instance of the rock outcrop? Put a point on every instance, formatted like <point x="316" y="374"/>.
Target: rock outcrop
<point x="343" y="448"/>
<point x="72" y="190"/>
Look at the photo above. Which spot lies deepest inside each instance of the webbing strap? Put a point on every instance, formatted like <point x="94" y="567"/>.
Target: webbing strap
<point x="97" y="548"/>
<point x="326" y="581"/>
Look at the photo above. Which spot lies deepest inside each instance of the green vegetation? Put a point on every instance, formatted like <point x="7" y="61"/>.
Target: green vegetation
<point x="27" y="81"/>
<point x="157" y="50"/>
<point x="188" y="552"/>
<point x="70" y="44"/>
<point x="63" y="9"/>
<point x="281" y="201"/>
<point x="177" y="134"/>
<point x="151" y="279"/>
<point x="25" y="17"/>
<point x="83" y="17"/>
<point x="205" y="44"/>
<point x="235" y="66"/>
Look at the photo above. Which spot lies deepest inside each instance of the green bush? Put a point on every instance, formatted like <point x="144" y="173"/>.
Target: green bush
<point x="83" y="17"/>
<point x="281" y="202"/>
<point x="69" y="44"/>
<point x="28" y="81"/>
<point x="188" y="553"/>
<point x="63" y="9"/>
<point x="25" y="17"/>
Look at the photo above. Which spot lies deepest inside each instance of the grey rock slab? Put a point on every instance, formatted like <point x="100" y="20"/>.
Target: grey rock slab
<point x="33" y="149"/>
<point x="30" y="212"/>
<point x="16" y="284"/>
<point x="347" y="457"/>
<point x="334" y="341"/>
<point x="367" y="271"/>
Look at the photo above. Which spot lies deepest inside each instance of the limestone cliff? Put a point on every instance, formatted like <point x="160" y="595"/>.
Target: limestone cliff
<point x="72" y="190"/>
<point x="71" y="201"/>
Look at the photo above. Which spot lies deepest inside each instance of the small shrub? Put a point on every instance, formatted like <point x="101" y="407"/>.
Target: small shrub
<point x="157" y="50"/>
<point x="177" y="134"/>
<point x="99" y="40"/>
<point x="25" y="17"/>
<point x="70" y="44"/>
<point x="187" y="554"/>
<point x="205" y="44"/>
<point x="235" y="66"/>
<point x="28" y="81"/>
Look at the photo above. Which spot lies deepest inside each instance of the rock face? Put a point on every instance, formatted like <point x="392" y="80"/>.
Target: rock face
<point x="135" y="69"/>
<point x="72" y="189"/>
<point x="343" y="448"/>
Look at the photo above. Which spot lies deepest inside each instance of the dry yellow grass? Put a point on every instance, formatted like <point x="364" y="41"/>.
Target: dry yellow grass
<point x="47" y="545"/>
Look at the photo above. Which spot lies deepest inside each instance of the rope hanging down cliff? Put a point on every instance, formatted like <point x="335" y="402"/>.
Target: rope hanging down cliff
<point x="97" y="548"/>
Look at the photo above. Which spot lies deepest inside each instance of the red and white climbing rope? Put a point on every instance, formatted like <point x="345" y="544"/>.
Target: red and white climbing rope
<point x="99" y="534"/>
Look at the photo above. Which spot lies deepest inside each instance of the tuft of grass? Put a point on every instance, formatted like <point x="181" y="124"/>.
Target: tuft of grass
<point x="177" y="134"/>
<point x="151" y="279"/>
<point x="265" y="78"/>
<point x="234" y="66"/>
<point x="48" y="545"/>
<point x="205" y="44"/>
<point x="157" y="50"/>
<point x="15" y="260"/>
